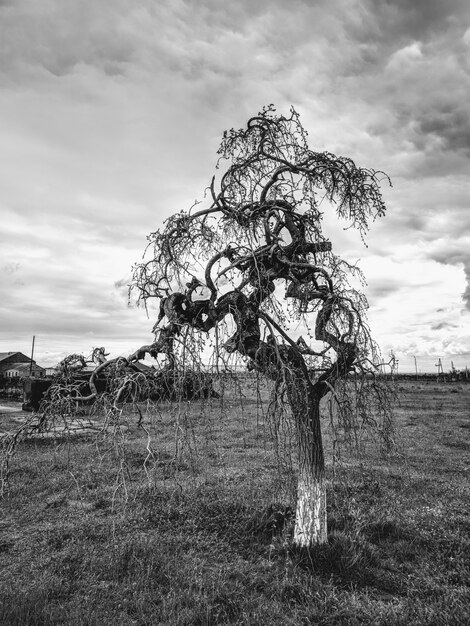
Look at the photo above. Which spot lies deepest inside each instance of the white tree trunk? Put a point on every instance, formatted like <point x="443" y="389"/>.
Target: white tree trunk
<point x="310" y="517"/>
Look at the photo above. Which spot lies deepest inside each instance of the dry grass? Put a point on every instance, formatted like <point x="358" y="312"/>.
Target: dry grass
<point x="189" y="521"/>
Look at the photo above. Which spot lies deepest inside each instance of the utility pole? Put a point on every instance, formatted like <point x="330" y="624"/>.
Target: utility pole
<point x="416" y="367"/>
<point x="32" y="354"/>
<point x="439" y="368"/>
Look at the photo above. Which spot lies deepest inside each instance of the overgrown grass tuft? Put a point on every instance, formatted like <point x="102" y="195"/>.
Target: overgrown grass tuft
<point x="91" y="536"/>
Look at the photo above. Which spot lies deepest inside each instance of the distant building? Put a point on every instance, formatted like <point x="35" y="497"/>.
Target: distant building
<point x="18" y="365"/>
<point x="142" y="367"/>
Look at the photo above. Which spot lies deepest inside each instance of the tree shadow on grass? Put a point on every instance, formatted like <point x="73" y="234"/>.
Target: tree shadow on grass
<point x="359" y="560"/>
<point x="352" y="558"/>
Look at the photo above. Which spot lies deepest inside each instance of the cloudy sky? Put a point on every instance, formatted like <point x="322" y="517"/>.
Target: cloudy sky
<point x="110" y="118"/>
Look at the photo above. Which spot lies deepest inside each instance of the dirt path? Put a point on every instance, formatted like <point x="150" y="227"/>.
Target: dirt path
<point x="4" y="408"/>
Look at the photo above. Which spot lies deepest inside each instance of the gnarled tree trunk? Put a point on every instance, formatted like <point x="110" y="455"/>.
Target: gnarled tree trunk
<point x="310" y="516"/>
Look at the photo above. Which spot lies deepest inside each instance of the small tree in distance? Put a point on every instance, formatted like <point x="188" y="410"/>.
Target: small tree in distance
<point x="254" y="260"/>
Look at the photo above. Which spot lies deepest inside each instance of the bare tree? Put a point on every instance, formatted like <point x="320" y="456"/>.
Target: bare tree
<point x="253" y="260"/>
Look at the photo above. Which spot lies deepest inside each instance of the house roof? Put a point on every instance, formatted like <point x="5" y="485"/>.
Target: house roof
<point x="23" y="368"/>
<point x="143" y="367"/>
<point x="17" y="361"/>
<point x="6" y="355"/>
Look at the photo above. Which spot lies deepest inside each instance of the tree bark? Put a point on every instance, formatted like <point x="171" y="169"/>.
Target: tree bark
<point x="310" y="517"/>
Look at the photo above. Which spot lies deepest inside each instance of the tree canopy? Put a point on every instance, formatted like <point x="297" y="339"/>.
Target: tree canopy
<point x="249" y="272"/>
<point x="257" y="243"/>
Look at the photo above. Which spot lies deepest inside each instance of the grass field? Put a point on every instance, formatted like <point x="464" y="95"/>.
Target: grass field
<point x="188" y="521"/>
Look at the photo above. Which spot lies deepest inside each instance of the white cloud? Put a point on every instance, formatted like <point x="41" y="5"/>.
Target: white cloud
<point x="466" y="37"/>
<point x="402" y="59"/>
<point x="110" y="118"/>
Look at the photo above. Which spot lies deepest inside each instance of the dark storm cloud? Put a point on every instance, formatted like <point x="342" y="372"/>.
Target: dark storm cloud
<point x="466" y="293"/>
<point x="454" y="252"/>
<point x="419" y="19"/>
<point x="418" y="83"/>
<point x="61" y="36"/>
<point x="450" y="124"/>
<point x="443" y="325"/>
<point x="111" y="114"/>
